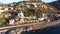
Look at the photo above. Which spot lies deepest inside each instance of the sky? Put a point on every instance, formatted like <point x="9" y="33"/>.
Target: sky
<point x="11" y="1"/>
<point x="47" y="1"/>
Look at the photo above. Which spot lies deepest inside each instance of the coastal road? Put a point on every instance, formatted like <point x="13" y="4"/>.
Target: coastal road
<point x="39" y="25"/>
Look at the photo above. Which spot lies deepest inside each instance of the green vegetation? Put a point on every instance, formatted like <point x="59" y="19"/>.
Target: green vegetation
<point x="32" y="10"/>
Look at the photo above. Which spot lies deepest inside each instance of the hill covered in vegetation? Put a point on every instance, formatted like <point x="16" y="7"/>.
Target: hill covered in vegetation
<point x="31" y="8"/>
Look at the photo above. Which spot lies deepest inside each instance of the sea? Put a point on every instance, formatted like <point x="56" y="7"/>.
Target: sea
<point x="50" y="30"/>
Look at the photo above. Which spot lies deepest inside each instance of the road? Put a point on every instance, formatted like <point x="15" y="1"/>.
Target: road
<point x="39" y="25"/>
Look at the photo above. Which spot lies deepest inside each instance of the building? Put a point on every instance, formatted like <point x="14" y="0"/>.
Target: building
<point x="3" y="8"/>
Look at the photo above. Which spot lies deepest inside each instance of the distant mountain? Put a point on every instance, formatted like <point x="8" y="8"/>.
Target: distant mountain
<point x="56" y="4"/>
<point x="2" y="3"/>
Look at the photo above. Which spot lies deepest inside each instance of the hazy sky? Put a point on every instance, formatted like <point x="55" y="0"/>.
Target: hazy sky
<point x="47" y="1"/>
<point x="11" y="1"/>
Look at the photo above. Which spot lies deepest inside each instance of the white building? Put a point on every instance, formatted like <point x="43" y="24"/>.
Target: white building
<point x="2" y="9"/>
<point x="11" y="22"/>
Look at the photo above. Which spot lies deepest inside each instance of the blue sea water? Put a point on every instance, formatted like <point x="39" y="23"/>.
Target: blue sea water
<point x="52" y="30"/>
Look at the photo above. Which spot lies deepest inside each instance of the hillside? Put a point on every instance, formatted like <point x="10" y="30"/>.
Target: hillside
<point x="33" y="8"/>
<point x="2" y="3"/>
<point x="55" y="4"/>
